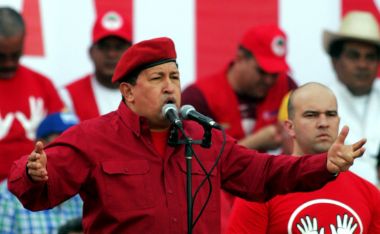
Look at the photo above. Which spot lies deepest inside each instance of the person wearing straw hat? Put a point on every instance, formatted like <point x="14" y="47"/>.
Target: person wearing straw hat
<point x="312" y="123"/>
<point x="355" y="54"/>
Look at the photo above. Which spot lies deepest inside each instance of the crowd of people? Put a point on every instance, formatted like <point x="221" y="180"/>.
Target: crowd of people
<point x="103" y="155"/>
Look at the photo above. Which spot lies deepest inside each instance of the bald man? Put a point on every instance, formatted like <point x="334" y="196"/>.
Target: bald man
<point x="313" y="126"/>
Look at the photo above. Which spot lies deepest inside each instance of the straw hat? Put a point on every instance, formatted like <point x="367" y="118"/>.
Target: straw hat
<point x="356" y="25"/>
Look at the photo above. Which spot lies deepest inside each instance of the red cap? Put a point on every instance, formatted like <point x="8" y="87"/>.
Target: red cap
<point x="111" y="23"/>
<point x="143" y="55"/>
<point x="267" y="43"/>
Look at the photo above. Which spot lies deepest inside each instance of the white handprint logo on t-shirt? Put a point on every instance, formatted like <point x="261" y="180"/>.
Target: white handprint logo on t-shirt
<point x="309" y="227"/>
<point x="37" y="114"/>
<point x="5" y="124"/>
<point x="344" y="226"/>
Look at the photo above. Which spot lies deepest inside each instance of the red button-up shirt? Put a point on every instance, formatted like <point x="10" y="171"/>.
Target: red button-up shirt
<point x="127" y="187"/>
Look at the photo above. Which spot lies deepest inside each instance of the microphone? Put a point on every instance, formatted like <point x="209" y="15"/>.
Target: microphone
<point x="189" y="112"/>
<point x="170" y="112"/>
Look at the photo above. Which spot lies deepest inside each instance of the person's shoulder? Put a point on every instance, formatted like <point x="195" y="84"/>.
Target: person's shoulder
<point x="376" y="85"/>
<point x="98" y="123"/>
<point x="358" y="181"/>
<point x="79" y="81"/>
<point x="28" y="72"/>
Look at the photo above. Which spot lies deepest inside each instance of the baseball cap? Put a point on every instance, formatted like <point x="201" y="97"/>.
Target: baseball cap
<point x="268" y="45"/>
<point x="57" y="123"/>
<point x="145" y="54"/>
<point x="111" y="23"/>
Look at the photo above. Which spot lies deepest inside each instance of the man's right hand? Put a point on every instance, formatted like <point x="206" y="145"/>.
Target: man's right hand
<point x="36" y="166"/>
<point x="340" y="156"/>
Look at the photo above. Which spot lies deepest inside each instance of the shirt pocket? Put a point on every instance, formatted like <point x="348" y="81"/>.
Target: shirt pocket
<point x="127" y="185"/>
<point x="197" y="176"/>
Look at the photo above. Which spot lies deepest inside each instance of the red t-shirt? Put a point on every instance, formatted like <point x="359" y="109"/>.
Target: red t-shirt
<point x="160" y="141"/>
<point x="349" y="195"/>
<point x="25" y="100"/>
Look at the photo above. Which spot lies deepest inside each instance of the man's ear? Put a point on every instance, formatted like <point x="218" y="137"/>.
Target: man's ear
<point x="334" y="62"/>
<point x="91" y="52"/>
<point x="126" y="89"/>
<point x="289" y="127"/>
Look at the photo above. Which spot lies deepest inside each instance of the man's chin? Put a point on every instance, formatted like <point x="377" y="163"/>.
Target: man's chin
<point x="7" y="75"/>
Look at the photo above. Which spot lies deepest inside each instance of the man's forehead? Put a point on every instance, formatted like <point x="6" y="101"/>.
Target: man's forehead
<point x="170" y="67"/>
<point x="359" y="46"/>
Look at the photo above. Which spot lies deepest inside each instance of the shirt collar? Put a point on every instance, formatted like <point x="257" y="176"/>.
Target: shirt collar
<point x="133" y="121"/>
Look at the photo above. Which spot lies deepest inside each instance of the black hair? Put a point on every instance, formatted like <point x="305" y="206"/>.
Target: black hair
<point x="336" y="48"/>
<point x="11" y="22"/>
<point x="246" y="52"/>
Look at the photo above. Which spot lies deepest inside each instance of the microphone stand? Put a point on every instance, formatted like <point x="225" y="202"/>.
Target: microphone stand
<point x="188" y="142"/>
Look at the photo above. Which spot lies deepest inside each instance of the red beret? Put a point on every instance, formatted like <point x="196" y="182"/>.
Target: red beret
<point x="143" y="55"/>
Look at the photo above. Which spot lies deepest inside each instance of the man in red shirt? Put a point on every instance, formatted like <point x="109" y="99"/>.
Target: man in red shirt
<point x="131" y="181"/>
<point x="94" y="94"/>
<point x="245" y="96"/>
<point x="348" y="204"/>
<point x="25" y="96"/>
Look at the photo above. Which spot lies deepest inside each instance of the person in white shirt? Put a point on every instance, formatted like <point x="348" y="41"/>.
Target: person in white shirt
<point x="94" y="94"/>
<point x="355" y="54"/>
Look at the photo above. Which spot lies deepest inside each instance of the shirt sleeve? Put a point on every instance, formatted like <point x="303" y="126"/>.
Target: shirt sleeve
<point x="66" y="161"/>
<point x="258" y="177"/>
<point x="248" y="218"/>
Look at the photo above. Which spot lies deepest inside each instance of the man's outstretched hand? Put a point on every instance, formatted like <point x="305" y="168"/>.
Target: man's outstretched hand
<point x="340" y="156"/>
<point x="36" y="166"/>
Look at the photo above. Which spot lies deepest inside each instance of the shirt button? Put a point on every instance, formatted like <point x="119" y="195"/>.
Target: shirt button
<point x="174" y="220"/>
<point x="170" y="191"/>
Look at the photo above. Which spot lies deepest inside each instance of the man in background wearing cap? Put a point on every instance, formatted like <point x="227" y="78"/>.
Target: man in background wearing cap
<point x="348" y="204"/>
<point x="132" y="181"/>
<point x="14" y="218"/>
<point x="245" y="97"/>
<point x="25" y="96"/>
<point x="355" y="56"/>
<point x="94" y="94"/>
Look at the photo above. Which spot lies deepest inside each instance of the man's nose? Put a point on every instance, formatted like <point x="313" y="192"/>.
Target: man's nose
<point x="322" y="121"/>
<point x="168" y="85"/>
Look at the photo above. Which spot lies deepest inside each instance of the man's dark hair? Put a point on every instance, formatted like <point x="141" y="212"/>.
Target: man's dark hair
<point x="336" y="48"/>
<point x="130" y="78"/>
<point x="11" y="22"/>
<point x="73" y="225"/>
<point x="246" y="52"/>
